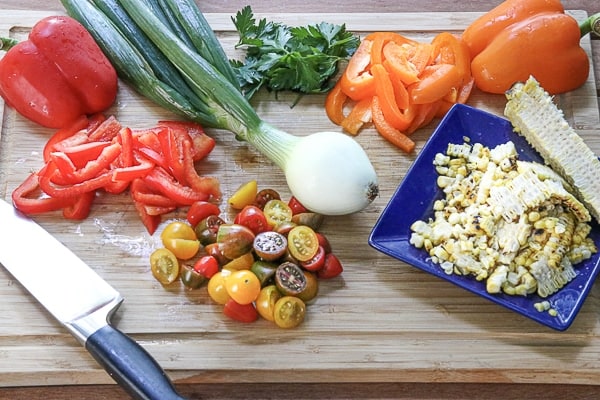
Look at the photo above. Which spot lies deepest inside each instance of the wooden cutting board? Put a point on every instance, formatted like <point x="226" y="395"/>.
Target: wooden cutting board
<point x="382" y="321"/>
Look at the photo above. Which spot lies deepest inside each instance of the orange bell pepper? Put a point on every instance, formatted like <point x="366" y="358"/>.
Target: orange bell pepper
<point x="356" y="81"/>
<point x="387" y="131"/>
<point x="334" y="104"/>
<point x="522" y="38"/>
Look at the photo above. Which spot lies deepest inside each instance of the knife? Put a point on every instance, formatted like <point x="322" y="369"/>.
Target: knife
<point x="82" y="301"/>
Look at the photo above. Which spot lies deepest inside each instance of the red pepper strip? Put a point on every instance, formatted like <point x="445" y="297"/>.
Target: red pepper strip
<point x="202" y="143"/>
<point x="358" y="116"/>
<point x="106" y="131"/>
<point x="127" y="174"/>
<point x="387" y="99"/>
<point x="436" y="81"/>
<point x="156" y="210"/>
<point x="142" y="193"/>
<point x="160" y="180"/>
<point x="92" y="169"/>
<point x="61" y="134"/>
<point x="334" y="104"/>
<point x="357" y="82"/>
<point x="80" y="209"/>
<point x="30" y="205"/>
<point x="388" y="132"/>
<point x="81" y="154"/>
<point x="70" y="191"/>
<point x="202" y="184"/>
<point x="151" y="222"/>
<point x="173" y="152"/>
<point x="125" y="137"/>
<point x="147" y="138"/>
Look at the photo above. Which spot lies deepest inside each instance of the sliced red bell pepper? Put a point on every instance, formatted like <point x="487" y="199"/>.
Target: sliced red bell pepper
<point x="70" y="191"/>
<point x="202" y="143"/>
<point x="80" y="123"/>
<point x="160" y="180"/>
<point x="81" y="208"/>
<point x="202" y="184"/>
<point x="24" y="201"/>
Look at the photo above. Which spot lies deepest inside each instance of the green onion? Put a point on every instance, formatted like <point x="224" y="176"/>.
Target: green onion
<point x="328" y="172"/>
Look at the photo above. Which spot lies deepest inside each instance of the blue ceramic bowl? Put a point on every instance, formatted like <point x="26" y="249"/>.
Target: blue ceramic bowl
<point x="414" y="198"/>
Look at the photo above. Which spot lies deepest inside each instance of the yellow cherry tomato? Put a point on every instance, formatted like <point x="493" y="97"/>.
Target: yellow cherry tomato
<point x="277" y="212"/>
<point x="243" y="286"/>
<point x="164" y="266"/>
<point x="265" y="302"/>
<point x="180" y="238"/>
<point x="244" y="195"/>
<point x="303" y="243"/>
<point x="289" y="312"/>
<point x="216" y="287"/>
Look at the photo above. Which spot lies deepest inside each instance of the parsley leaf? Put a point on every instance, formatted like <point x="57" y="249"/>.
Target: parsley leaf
<point x="278" y="57"/>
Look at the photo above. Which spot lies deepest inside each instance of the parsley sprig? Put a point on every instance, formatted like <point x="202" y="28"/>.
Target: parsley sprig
<point x="279" y="57"/>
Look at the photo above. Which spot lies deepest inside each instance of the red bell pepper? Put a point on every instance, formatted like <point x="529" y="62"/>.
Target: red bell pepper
<point x="58" y="74"/>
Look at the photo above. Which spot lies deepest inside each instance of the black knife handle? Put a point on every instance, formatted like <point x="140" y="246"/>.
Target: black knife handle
<point x="130" y="365"/>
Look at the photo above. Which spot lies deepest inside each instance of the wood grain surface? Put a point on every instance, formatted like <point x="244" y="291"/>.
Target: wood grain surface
<point x="383" y="330"/>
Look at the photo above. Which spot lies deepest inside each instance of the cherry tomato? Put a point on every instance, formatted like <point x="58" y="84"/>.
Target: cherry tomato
<point x="253" y="218"/>
<point x="270" y="245"/>
<point x="314" y="220"/>
<point x="265" y="302"/>
<point x="207" y="266"/>
<point x="264" y="196"/>
<point x="289" y="312"/>
<point x="206" y="230"/>
<point x="200" y="210"/>
<point x="315" y="263"/>
<point x="214" y="249"/>
<point x="277" y="212"/>
<point x="180" y="239"/>
<point x="216" y="287"/>
<point x="164" y="266"/>
<point x="290" y="279"/>
<point x="264" y="271"/>
<point x="331" y="268"/>
<point x="244" y="261"/>
<point x="303" y="243"/>
<point x="296" y="206"/>
<point x="312" y="287"/>
<point x="242" y="286"/>
<point x="240" y="312"/>
<point x="323" y="241"/>
<point x="191" y="279"/>
<point x="244" y="196"/>
<point x="234" y="240"/>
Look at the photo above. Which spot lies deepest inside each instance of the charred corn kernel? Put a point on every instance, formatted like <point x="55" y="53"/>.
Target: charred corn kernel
<point x="533" y="216"/>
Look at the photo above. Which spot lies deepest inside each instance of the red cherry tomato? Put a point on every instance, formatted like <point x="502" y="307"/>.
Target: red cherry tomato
<point x="254" y="218"/>
<point x="323" y="241"/>
<point x="240" y="312"/>
<point x="331" y="268"/>
<point x="296" y="206"/>
<point x="199" y="210"/>
<point x="207" y="266"/>
<point x="315" y="263"/>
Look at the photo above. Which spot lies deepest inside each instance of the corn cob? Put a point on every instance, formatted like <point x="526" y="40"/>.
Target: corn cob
<point x="535" y="116"/>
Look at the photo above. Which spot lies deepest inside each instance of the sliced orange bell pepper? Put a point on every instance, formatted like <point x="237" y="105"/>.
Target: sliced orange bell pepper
<point x="436" y="81"/>
<point x="387" y="99"/>
<point x="397" y="63"/>
<point x="382" y="39"/>
<point x="358" y="116"/>
<point x="356" y="81"/>
<point x="334" y="104"/>
<point x="387" y="131"/>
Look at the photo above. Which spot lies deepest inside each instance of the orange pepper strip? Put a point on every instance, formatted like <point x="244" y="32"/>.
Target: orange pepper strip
<point x="358" y="116"/>
<point x="356" y="81"/>
<point x="436" y="81"/>
<point x="397" y="63"/>
<point x="452" y="50"/>
<point x="387" y="131"/>
<point x="334" y="104"/>
<point x="421" y="56"/>
<point x="424" y="113"/>
<point x="387" y="99"/>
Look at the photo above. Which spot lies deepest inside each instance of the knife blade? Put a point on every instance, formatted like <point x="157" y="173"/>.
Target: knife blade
<point x="81" y="301"/>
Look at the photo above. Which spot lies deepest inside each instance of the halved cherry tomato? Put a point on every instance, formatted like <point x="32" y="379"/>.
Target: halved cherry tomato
<point x="296" y="206"/>
<point x="331" y="268"/>
<point x="263" y="197"/>
<point x="277" y="211"/>
<point x="199" y="210"/>
<point x="207" y="266"/>
<point x="244" y="196"/>
<point x="234" y="240"/>
<point x="270" y="245"/>
<point x="180" y="238"/>
<point x="266" y="300"/>
<point x="303" y="243"/>
<point x="254" y="218"/>
<point x="240" y="312"/>
<point x="289" y="312"/>
<point x="242" y="286"/>
<point x="315" y="263"/>
<point x="164" y="266"/>
<point x="244" y="261"/>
